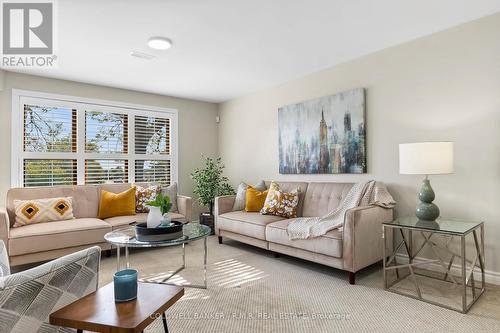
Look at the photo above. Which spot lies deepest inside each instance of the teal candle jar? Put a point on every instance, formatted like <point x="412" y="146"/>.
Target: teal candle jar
<point x="125" y="283"/>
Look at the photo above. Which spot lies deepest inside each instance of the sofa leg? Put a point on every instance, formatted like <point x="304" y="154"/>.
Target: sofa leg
<point x="220" y="239"/>
<point x="352" y="277"/>
<point x="277" y="255"/>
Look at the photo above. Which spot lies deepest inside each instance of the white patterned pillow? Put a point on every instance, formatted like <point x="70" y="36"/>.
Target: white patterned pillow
<point x="43" y="210"/>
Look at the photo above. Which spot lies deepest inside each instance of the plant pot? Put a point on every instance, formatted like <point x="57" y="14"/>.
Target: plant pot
<point x="208" y="220"/>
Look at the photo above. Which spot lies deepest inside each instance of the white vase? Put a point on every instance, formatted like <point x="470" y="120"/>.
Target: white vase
<point x="167" y="218"/>
<point x="154" y="217"/>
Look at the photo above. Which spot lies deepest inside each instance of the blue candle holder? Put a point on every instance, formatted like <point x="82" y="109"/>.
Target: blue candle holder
<point x="125" y="283"/>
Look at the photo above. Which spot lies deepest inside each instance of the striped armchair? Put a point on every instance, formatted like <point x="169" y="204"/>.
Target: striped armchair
<point x="27" y="298"/>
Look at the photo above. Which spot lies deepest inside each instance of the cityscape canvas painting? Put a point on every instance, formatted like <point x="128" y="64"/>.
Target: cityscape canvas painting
<point x="324" y="135"/>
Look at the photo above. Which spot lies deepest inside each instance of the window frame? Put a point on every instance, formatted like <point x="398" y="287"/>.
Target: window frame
<point x="81" y="104"/>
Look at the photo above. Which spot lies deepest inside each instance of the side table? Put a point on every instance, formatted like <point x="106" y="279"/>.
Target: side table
<point x="444" y="257"/>
<point x="98" y="312"/>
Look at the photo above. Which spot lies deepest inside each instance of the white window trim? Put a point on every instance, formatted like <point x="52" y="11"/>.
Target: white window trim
<point x="17" y="154"/>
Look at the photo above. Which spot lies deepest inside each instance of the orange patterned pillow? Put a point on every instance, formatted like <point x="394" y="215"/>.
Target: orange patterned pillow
<point x="280" y="203"/>
<point x="143" y="195"/>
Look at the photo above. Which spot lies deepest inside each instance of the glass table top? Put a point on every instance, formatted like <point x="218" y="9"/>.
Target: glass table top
<point x="441" y="225"/>
<point x="126" y="236"/>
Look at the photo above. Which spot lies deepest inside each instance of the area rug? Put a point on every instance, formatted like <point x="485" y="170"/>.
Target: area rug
<point x="251" y="291"/>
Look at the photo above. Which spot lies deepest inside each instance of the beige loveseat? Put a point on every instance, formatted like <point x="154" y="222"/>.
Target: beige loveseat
<point x="46" y="241"/>
<point x="352" y="247"/>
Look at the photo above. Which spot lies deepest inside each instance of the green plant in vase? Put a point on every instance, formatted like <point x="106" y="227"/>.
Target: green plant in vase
<point x="210" y="182"/>
<point x="161" y="202"/>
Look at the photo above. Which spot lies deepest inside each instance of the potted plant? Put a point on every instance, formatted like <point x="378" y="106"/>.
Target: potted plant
<point x="158" y="208"/>
<point x="210" y="183"/>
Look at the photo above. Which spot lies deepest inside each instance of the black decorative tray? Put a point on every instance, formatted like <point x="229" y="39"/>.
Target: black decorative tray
<point x="158" y="234"/>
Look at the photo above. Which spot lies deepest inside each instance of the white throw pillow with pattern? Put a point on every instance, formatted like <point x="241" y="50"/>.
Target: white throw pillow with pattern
<point x="43" y="210"/>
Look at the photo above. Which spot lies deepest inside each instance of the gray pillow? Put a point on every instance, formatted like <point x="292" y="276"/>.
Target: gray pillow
<point x="171" y="191"/>
<point x="241" y="194"/>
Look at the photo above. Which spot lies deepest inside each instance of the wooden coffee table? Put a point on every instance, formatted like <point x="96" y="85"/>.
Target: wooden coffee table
<point x="98" y="311"/>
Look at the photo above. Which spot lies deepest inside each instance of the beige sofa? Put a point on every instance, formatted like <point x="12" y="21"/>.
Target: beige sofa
<point x="46" y="241"/>
<point x="356" y="245"/>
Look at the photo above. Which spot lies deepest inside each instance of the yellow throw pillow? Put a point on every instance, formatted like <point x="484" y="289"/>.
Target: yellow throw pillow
<point x="281" y="203"/>
<point x="117" y="204"/>
<point x="254" y="199"/>
<point x="43" y="210"/>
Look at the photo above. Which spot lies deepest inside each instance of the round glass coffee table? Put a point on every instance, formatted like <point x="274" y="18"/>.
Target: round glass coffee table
<point x="125" y="238"/>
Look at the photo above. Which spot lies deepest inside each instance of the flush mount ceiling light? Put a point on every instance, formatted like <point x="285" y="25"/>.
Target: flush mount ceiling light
<point x="159" y="43"/>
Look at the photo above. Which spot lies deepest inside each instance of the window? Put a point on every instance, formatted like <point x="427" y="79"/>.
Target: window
<point x="106" y="133"/>
<point x="62" y="140"/>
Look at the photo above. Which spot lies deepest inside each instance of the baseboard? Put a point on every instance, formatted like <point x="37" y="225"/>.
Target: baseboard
<point x="489" y="276"/>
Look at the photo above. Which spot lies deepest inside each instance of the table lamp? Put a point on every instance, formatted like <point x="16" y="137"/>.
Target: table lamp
<point x="426" y="158"/>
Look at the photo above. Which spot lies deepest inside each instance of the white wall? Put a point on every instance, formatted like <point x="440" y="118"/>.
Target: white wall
<point x="442" y="87"/>
<point x="197" y="127"/>
<point x="2" y="77"/>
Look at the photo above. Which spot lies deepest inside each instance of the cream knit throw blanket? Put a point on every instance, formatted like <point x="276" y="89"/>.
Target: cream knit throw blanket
<point x="361" y="194"/>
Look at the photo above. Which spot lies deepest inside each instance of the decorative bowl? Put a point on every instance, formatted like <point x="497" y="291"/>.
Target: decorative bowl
<point x="161" y="233"/>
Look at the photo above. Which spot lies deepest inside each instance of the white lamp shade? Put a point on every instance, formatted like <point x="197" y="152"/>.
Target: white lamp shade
<point x="426" y="158"/>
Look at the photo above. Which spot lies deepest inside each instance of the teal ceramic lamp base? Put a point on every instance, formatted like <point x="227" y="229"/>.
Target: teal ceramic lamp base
<point x="426" y="210"/>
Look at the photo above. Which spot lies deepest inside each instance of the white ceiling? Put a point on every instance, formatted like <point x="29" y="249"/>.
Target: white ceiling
<point x="226" y="48"/>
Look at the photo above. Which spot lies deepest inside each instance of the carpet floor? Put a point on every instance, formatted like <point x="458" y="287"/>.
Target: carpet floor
<point x="251" y="291"/>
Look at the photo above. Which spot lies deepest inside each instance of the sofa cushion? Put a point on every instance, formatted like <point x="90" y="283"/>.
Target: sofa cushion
<point x="171" y="191"/>
<point x="289" y="187"/>
<point x="248" y="224"/>
<point x="43" y="210"/>
<point x="280" y="203"/>
<point x="117" y="204"/>
<point x="322" y="198"/>
<point x="123" y="221"/>
<point x="329" y="244"/>
<point x="56" y="235"/>
<point x="241" y="194"/>
<point x="254" y="199"/>
<point x="144" y="195"/>
<point x="85" y="198"/>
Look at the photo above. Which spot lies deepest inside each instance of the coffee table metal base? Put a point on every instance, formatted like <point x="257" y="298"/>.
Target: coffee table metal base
<point x="177" y="271"/>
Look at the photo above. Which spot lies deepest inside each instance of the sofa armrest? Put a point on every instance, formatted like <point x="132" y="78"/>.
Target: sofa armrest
<point x="223" y="204"/>
<point x="4" y="226"/>
<point x="185" y="207"/>
<point x="362" y="236"/>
